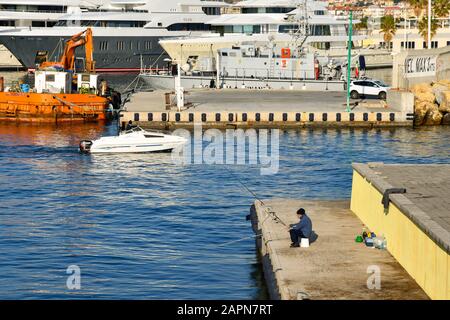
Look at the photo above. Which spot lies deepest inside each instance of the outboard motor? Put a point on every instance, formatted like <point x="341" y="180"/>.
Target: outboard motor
<point x="85" y="146"/>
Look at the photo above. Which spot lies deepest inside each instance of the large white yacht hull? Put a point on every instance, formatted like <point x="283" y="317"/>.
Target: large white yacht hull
<point x="167" y="82"/>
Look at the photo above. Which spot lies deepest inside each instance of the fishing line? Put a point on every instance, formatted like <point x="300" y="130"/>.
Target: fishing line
<point x="241" y="239"/>
<point x="272" y="213"/>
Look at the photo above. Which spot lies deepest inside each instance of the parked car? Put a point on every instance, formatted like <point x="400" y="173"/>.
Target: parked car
<point x="368" y="87"/>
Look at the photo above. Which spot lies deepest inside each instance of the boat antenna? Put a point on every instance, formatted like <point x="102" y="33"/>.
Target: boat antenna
<point x="302" y="32"/>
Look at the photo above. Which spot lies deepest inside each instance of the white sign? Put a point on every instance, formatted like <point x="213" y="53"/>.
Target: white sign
<point x="420" y="66"/>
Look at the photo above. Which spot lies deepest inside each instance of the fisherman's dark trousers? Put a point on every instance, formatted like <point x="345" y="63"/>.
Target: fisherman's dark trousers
<point x="295" y="235"/>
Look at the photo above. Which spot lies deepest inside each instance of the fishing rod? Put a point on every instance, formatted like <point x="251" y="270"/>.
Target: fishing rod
<point x="272" y="213"/>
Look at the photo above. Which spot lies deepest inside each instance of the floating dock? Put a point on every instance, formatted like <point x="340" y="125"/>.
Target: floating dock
<point x="243" y="108"/>
<point x="334" y="266"/>
<point x="416" y="223"/>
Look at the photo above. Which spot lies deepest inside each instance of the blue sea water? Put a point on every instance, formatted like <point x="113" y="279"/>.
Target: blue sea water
<point x="141" y="227"/>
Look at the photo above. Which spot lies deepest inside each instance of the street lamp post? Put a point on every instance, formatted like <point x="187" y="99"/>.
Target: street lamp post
<point x="429" y="24"/>
<point x="349" y="58"/>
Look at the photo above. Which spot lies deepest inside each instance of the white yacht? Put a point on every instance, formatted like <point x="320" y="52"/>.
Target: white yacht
<point x="30" y="14"/>
<point x="275" y="21"/>
<point x="37" y="13"/>
<point x="126" y="32"/>
<point x="135" y="140"/>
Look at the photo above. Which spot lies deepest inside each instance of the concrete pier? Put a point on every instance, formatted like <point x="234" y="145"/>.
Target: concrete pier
<point x="334" y="266"/>
<point x="260" y="108"/>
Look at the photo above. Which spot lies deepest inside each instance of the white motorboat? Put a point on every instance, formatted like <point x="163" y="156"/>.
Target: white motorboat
<point x="136" y="140"/>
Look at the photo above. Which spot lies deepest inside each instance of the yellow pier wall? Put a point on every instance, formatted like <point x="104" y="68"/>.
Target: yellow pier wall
<point x="420" y="256"/>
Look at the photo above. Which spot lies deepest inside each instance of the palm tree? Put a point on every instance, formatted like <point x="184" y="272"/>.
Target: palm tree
<point x="441" y="8"/>
<point x="388" y="28"/>
<point x="418" y="6"/>
<point x="362" y="24"/>
<point x="423" y="27"/>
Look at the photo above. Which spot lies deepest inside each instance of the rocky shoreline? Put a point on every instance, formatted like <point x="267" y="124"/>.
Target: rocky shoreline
<point x="432" y="103"/>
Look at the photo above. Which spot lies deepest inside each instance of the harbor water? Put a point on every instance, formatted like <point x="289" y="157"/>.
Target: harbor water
<point x="138" y="226"/>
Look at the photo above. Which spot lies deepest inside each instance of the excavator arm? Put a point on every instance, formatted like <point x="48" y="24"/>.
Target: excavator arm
<point x="67" y="60"/>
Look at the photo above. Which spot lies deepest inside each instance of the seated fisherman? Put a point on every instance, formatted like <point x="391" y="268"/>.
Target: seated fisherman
<point x="302" y="229"/>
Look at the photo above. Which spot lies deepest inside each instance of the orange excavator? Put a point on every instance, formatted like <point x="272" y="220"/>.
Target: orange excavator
<point x="60" y="94"/>
<point x="67" y="60"/>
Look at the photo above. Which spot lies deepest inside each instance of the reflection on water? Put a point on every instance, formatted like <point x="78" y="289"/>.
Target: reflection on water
<point x="140" y="226"/>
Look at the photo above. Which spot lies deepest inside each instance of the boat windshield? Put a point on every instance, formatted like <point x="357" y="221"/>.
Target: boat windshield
<point x="135" y="129"/>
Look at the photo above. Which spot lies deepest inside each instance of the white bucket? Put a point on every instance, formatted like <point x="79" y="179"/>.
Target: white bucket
<point x="304" y="243"/>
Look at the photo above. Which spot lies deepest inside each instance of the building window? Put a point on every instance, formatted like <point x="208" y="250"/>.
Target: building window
<point x="410" y="45"/>
<point x="434" y="44"/>
<point x="386" y="45"/>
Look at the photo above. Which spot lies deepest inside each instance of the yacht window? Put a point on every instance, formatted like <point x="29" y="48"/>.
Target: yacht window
<point x="188" y="27"/>
<point x="321" y="45"/>
<point x="38" y="24"/>
<point x="319" y="12"/>
<point x="248" y="29"/>
<point x="287" y="28"/>
<point x="224" y="54"/>
<point x="237" y="29"/>
<point x="211" y="11"/>
<point x="148" y="45"/>
<point x="61" y="23"/>
<point x="320" y="30"/>
<point x="243" y="29"/>
<point x="7" y="23"/>
<point x="32" y="8"/>
<point x="268" y="10"/>
<point x="126" y="24"/>
<point x="103" y="45"/>
<point x="120" y="45"/>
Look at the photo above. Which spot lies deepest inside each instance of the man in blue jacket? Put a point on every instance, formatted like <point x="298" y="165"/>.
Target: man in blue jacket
<point x="302" y="229"/>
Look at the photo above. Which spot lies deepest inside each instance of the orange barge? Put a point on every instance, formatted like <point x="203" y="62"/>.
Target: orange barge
<point x="60" y="94"/>
<point x="47" y="107"/>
